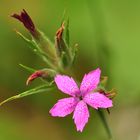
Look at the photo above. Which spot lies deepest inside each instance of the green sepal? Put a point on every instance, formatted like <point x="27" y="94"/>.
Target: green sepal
<point x="64" y="59"/>
<point x="48" y="75"/>
<point x="45" y="45"/>
<point x="103" y="81"/>
<point x="61" y="46"/>
<point x="74" y="53"/>
<point x="112" y="93"/>
<point x="27" y="68"/>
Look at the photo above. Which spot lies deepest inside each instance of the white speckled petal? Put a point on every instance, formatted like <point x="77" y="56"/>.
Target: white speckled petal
<point x="64" y="107"/>
<point x="98" y="100"/>
<point x="67" y="85"/>
<point x="81" y="115"/>
<point x="90" y="81"/>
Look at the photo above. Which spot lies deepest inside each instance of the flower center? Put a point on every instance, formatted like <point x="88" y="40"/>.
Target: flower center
<point x="80" y="97"/>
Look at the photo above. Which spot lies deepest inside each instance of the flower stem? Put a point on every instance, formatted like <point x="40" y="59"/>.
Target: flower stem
<point x="104" y="121"/>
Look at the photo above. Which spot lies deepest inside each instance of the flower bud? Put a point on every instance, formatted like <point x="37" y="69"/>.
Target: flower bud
<point x="59" y="42"/>
<point x="63" y="51"/>
<point x="43" y="46"/>
<point x="27" y="22"/>
<point x="46" y="74"/>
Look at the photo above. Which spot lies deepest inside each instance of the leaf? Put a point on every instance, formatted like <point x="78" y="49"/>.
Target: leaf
<point x="67" y="36"/>
<point x="30" y="42"/>
<point x="38" y="89"/>
<point x="27" y="68"/>
<point x="63" y="16"/>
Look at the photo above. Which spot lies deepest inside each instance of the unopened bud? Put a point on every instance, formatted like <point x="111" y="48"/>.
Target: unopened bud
<point x="46" y="74"/>
<point x="63" y="51"/>
<point x="24" y="18"/>
<point x="44" y="46"/>
<point x="59" y="42"/>
<point x="60" y="32"/>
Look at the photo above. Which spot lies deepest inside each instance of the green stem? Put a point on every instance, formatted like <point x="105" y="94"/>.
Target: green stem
<point x="104" y="121"/>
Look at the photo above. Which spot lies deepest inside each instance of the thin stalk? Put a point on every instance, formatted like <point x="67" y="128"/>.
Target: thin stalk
<point x="38" y="89"/>
<point x="104" y="121"/>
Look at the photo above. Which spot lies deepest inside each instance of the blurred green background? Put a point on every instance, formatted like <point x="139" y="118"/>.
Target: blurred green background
<point x="108" y="34"/>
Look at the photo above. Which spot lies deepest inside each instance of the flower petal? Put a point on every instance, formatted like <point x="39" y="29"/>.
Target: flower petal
<point x="98" y="100"/>
<point x="64" y="107"/>
<point x="90" y="81"/>
<point x="81" y="115"/>
<point x="66" y="85"/>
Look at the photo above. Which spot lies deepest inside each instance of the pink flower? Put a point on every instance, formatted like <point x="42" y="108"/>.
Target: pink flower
<point x="80" y="98"/>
